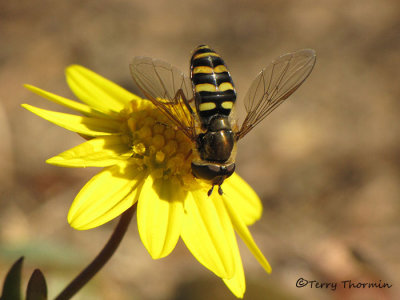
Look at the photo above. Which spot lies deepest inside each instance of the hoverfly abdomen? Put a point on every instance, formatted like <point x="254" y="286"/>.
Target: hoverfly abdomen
<point x="213" y="87"/>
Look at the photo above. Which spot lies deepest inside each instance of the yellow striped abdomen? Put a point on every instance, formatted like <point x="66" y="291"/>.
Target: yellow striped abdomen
<point x="212" y="84"/>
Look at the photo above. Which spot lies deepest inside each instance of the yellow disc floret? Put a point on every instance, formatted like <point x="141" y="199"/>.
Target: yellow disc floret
<point x="158" y="146"/>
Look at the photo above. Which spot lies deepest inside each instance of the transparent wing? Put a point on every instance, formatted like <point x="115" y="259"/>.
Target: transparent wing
<point x="168" y="89"/>
<point x="275" y="84"/>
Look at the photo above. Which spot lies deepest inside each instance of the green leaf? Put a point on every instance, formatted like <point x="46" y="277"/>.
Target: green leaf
<point x="37" y="288"/>
<point x="12" y="283"/>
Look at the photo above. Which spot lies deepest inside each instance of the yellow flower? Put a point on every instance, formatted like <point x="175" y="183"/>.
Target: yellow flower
<point x="147" y="161"/>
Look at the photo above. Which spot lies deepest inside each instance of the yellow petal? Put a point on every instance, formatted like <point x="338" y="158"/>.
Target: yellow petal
<point x="160" y="216"/>
<point x="96" y="91"/>
<point x="245" y="234"/>
<point x="82" y="108"/>
<point x="98" y="152"/>
<point x="105" y="196"/>
<point x="204" y="232"/>
<point x="84" y="125"/>
<point x="243" y="198"/>
<point x="237" y="283"/>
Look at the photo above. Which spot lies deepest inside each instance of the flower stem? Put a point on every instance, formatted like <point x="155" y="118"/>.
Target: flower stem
<point x="101" y="259"/>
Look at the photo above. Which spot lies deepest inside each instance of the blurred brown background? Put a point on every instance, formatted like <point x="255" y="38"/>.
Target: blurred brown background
<point x="326" y="163"/>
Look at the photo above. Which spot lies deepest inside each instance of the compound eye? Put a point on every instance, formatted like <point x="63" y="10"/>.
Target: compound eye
<point x="230" y="169"/>
<point x="214" y="169"/>
<point x="207" y="172"/>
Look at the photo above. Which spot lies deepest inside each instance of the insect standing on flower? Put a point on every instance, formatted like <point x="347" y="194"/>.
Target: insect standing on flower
<point x="202" y="106"/>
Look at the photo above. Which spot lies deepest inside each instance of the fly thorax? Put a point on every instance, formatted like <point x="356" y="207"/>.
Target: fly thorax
<point x="218" y="123"/>
<point x="217" y="142"/>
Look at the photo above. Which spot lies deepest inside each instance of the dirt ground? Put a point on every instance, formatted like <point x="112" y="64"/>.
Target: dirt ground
<point x="326" y="164"/>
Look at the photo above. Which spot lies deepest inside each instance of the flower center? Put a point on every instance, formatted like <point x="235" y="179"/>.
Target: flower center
<point x="158" y="146"/>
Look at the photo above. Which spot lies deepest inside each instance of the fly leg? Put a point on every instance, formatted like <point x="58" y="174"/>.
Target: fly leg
<point x="220" y="190"/>
<point x="210" y="191"/>
<point x="212" y="188"/>
<point x="188" y="155"/>
<point x="180" y="95"/>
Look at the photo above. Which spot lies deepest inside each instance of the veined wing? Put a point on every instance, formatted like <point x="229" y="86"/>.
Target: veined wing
<point x="168" y="89"/>
<point x="275" y="84"/>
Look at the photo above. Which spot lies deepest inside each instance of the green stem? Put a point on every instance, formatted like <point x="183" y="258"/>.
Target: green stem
<point x="101" y="259"/>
